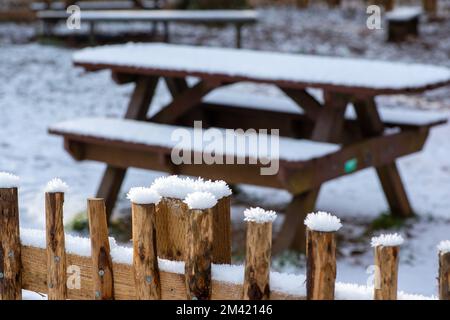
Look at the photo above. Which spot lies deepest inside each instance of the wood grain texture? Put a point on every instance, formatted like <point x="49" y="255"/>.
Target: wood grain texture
<point x="222" y="231"/>
<point x="145" y="259"/>
<point x="430" y="6"/>
<point x="386" y="262"/>
<point x="102" y="272"/>
<point x="257" y="261"/>
<point x="321" y="265"/>
<point x="199" y="241"/>
<point x="34" y="261"/>
<point x="444" y="276"/>
<point x="10" y="262"/>
<point x="56" y="254"/>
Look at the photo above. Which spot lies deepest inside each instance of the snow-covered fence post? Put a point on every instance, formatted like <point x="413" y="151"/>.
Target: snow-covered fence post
<point x="387" y="248"/>
<point x="199" y="241"/>
<point x="444" y="270"/>
<point x="258" y="253"/>
<point x="321" y="255"/>
<point x="102" y="271"/>
<point x="145" y="256"/>
<point x="56" y="253"/>
<point x="10" y="253"/>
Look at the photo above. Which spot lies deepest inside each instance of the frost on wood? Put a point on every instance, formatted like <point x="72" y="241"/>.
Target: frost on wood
<point x="8" y="180"/>
<point x="387" y="240"/>
<point x="200" y="200"/>
<point x="173" y="187"/>
<point x="259" y="215"/>
<point x="219" y="188"/>
<point x="444" y="246"/>
<point x="323" y="222"/>
<point x="143" y="195"/>
<point x="56" y="185"/>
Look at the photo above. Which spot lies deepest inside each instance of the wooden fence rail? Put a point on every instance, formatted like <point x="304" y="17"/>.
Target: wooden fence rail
<point x="47" y="261"/>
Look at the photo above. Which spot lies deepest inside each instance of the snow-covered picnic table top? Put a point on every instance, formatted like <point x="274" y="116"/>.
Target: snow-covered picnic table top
<point x="404" y="13"/>
<point x="238" y="16"/>
<point x="92" y="5"/>
<point x="284" y="69"/>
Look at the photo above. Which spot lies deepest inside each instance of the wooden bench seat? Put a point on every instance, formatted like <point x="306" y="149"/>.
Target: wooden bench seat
<point x="303" y="164"/>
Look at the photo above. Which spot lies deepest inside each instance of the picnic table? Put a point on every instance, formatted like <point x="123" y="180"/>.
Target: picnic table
<point x="320" y="142"/>
<point x="96" y="5"/>
<point x="238" y="18"/>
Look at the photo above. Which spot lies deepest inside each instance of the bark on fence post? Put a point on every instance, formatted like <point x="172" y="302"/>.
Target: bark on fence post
<point x="102" y="270"/>
<point x="10" y="253"/>
<point x="387" y="248"/>
<point x="444" y="270"/>
<point x="199" y="242"/>
<point x="56" y="254"/>
<point x="258" y="254"/>
<point x="145" y="256"/>
<point x="321" y="255"/>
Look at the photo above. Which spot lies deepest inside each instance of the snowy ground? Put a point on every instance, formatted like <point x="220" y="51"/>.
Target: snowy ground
<point x="40" y="87"/>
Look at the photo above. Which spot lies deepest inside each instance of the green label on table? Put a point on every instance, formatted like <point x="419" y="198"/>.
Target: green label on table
<point x="351" y="165"/>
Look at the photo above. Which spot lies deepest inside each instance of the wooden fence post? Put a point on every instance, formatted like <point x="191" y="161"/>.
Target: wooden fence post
<point x="430" y="7"/>
<point x="258" y="253"/>
<point x="387" y="248"/>
<point x="10" y="253"/>
<point x="199" y="242"/>
<point x="321" y="255"/>
<point x="444" y="270"/>
<point x="56" y="254"/>
<point x="145" y="257"/>
<point x="100" y="251"/>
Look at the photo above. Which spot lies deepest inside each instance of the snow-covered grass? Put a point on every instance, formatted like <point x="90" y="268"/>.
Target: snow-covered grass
<point x="387" y="240"/>
<point x="200" y="200"/>
<point x="259" y="215"/>
<point x="323" y="221"/>
<point x="143" y="195"/>
<point x="56" y="185"/>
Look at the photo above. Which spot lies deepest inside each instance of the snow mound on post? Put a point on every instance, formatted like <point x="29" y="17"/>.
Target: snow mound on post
<point x="387" y="240"/>
<point x="259" y="215"/>
<point x="323" y="221"/>
<point x="8" y="180"/>
<point x="174" y="187"/>
<point x="200" y="200"/>
<point x="444" y="246"/>
<point x="56" y="185"/>
<point x="142" y="195"/>
<point x="219" y="189"/>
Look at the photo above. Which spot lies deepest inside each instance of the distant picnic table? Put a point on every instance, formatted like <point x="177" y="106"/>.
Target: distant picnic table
<point x="237" y="18"/>
<point x="320" y="141"/>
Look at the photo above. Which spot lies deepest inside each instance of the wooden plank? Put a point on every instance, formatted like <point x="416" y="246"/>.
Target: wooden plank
<point x="56" y="252"/>
<point x="34" y="261"/>
<point x="10" y="261"/>
<point x="102" y="272"/>
<point x="444" y="275"/>
<point x="307" y="102"/>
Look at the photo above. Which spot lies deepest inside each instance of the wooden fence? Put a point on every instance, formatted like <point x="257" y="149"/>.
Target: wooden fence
<point x="45" y="263"/>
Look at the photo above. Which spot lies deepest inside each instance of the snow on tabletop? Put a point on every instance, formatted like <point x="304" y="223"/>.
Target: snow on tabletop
<point x="323" y="221"/>
<point x="143" y="195"/>
<point x="154" y="134"/>
<point x="219" y="188"/>
<point x="405" y="13"/>
<point x="173" y="187"/>
<point x="387" y="240"/>
<point x="444" y="246"/>
<point x="314" y="70"/>
<point x="200" y="200"/>
<point x="259" y="215"/>
<point x="56" y="185"/>
<point x="8" y="180"/>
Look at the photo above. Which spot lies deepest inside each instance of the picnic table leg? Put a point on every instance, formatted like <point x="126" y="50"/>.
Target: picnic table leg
<point x="137" y="109"/>
<point x="371" y="125"/>
<point x="92" y="33"/>
<point x="238" y="35"/>
<point x="166" y="32"/>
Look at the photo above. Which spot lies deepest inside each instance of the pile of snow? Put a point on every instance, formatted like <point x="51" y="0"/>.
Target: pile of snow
<point x="8" y="180"/>
<point x="387" y="240"/>
<point x="200" y="200"/>
<point x="323" y="221"/>
<point x="259" y="215"/>
<point x="142" y="195"/>
<point x="444" y="246"/>
<point x="56" y="185"/>
<point x="219" y="188"/>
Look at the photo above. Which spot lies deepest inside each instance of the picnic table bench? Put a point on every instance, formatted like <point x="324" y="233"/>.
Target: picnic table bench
<point x="238" y="18"/>
<point x="339" y="143"/>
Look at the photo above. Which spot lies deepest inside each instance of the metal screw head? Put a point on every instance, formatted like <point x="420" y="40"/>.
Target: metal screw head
<point x="101" y="273"/>
<point x="11" y="254"/>
<point x="50" y="285"/>
<point x="97" y="294"/>
<point x="56" y="259"/>
<point x="148" y="279"/>
<point x="2" y="275"/>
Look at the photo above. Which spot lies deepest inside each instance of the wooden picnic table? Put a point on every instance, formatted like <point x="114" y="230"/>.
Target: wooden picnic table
<point x="343" y="81"/>
<point x="238" y="18"/>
